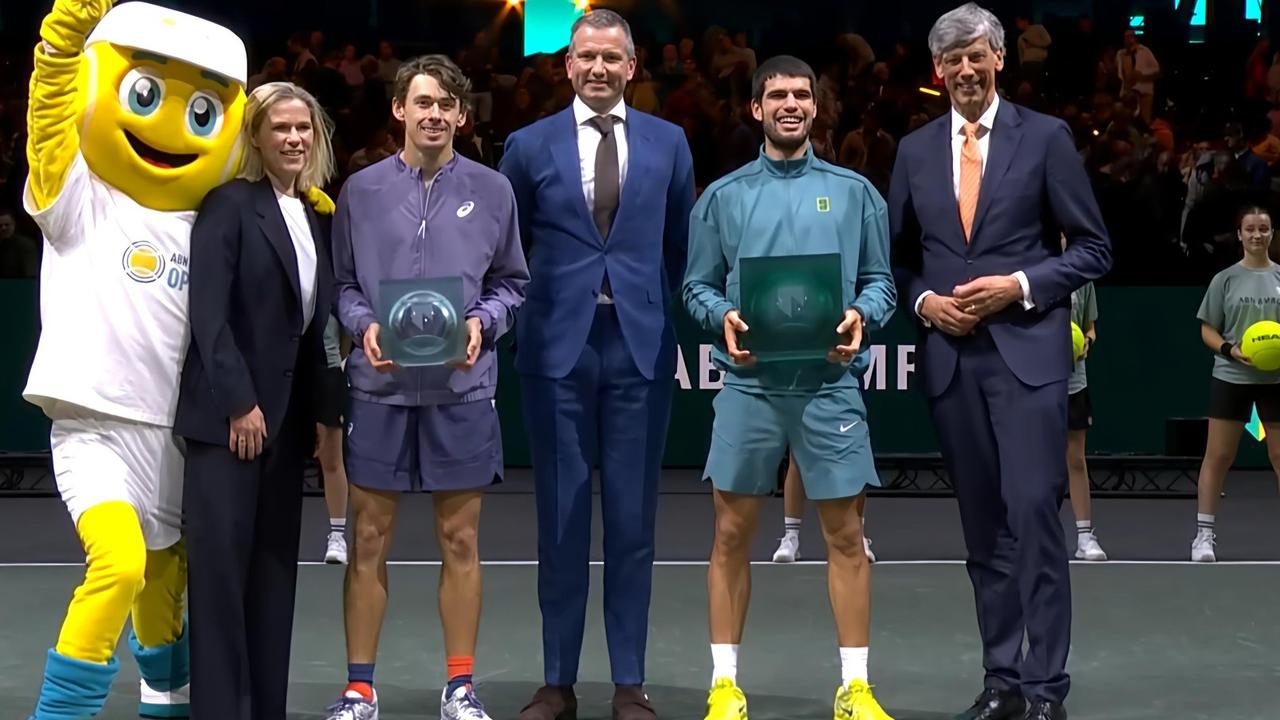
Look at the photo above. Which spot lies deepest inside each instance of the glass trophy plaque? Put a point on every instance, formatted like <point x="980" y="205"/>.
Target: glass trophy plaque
<point x="792" y="306"/>
<point x="422" y="321"/>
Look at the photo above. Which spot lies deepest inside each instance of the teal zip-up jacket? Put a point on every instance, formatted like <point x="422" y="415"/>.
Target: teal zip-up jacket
<point x="771" y="208"/>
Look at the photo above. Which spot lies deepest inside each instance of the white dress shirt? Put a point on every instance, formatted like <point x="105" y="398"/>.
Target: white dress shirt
<point x="986" y="124"/>
<point x="589" y="140"/>
<point x="1144" y="61"/>
<point x="304" y="246"/>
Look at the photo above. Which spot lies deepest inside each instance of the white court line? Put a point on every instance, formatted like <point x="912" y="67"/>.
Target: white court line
<point x="760" y="563"/>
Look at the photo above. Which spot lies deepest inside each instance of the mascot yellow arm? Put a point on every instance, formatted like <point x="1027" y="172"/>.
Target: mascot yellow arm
<point x="52" y="137"/>
<point x="320" y="202"/>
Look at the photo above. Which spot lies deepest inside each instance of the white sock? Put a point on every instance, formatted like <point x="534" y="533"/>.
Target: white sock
<point x="724" y="659"/>
<point x="1204" y="523"/>
<point x="853" y="664"/>
<point x="791" y="526"/>
<point x="338" y="525"/>
<point x="1084" y="527"/>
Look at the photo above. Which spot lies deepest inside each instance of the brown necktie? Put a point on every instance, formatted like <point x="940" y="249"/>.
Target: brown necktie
<point x="606" y="189"/>
<point x="606" y="185"/>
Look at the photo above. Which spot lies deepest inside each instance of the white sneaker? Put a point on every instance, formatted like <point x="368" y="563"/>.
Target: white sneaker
<point x="154" y="703"/>
<point x="336" y="549"/>
<point x="353" y="706"/>
<point x="788" y="549"/>
<point x="866" y="546"/>
<point x="1087" y="548"/>
<point x="462" y="705"/>
<point x="1202" y="547"/>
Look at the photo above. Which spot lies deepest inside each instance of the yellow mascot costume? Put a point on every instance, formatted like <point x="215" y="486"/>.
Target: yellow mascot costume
<point x="134" y="116"/>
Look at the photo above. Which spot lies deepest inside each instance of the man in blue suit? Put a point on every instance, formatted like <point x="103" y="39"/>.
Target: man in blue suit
<point x="976" y="203"/>
<point x="604" y="194"/>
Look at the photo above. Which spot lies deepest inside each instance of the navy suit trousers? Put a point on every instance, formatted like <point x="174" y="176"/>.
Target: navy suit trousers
<point x="1004" y="444"/>
<point x="605" y="413"/>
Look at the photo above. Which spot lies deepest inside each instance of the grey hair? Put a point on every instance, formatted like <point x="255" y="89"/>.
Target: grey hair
<point x="964" y="25"/>
<point x="603" y="20"/>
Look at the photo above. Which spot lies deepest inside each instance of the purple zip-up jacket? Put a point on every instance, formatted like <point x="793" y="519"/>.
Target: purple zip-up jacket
<point x="390" y="225"/>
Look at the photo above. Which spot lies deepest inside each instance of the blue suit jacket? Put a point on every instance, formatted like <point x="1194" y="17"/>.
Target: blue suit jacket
<point x="644" y="253"/>
<point x="1034" y="187"/>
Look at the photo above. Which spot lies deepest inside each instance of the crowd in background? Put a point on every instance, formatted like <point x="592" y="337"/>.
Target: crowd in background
<point x="1169" y="171"/>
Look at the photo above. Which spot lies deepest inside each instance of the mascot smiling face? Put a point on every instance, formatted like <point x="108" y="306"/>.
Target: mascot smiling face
<point x="162" y="106"/>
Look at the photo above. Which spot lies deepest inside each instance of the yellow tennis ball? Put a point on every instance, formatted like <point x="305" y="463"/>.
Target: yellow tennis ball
<point x="1077" y="343"/>
<point x="1261" y="344"/>
<point x="144" y="261"/>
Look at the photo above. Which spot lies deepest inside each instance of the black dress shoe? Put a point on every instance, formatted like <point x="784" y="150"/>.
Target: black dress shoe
<point x="1045" y="710"/>
<point x="995" y="704"/>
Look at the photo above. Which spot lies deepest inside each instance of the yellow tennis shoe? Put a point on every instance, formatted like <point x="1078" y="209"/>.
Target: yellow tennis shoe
<point x="726" y="701"/>
<point x="855" y="702"/>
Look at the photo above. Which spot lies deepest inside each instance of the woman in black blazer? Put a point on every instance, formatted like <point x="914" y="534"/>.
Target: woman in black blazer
<point x="260" y="295"/>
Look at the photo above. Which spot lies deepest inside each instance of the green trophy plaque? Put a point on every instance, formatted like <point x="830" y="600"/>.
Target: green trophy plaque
<point x="792" y="305"/>
<point x="422" y="321"/>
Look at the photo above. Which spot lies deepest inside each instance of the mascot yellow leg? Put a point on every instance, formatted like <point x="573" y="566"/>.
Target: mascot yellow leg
<point x="159" y="638"/>
<point x="121" y="578"/>
<point x="80" y="668"/>
<point x="115" y="573"/>
<point x="157" y="611"/>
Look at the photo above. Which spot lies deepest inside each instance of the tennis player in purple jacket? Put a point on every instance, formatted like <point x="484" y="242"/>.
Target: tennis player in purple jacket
<point x="424" y="212"/>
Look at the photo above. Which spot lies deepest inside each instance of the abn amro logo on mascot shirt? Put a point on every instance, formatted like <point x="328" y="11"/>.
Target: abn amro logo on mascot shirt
<point x="143" y="263"/>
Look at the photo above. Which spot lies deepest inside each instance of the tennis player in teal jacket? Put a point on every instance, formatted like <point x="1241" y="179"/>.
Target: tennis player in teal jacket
<point x="786" y="203"/>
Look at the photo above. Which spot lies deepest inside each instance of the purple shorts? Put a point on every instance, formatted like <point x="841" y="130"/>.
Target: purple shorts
<point x="432" y="448"/>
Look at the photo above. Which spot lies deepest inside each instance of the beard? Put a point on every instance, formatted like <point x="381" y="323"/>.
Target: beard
<point x="787" y="143"/>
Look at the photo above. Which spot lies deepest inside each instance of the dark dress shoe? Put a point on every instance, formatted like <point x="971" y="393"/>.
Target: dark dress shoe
<point x="630" y="703"/>
<point x="551" y="703"/>
<point x="1045" y="710"/>
<point x="995" y="704"/>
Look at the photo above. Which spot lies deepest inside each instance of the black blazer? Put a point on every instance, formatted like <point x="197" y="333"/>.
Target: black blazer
<point x="248" y="346"/>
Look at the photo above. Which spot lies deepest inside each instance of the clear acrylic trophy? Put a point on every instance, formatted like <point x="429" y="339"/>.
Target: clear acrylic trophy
<point x="423" y="321"/>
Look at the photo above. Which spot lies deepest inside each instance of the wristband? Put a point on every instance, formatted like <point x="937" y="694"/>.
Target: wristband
<point x="1225" y="350"/>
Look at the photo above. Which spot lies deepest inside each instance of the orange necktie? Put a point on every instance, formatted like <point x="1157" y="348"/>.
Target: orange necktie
<point x="970" y="178"/>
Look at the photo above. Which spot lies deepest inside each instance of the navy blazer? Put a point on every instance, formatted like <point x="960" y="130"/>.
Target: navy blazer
<point x="644" y="254"/>
<point x="248" y="345"/>
<point x="1034" y="188"/>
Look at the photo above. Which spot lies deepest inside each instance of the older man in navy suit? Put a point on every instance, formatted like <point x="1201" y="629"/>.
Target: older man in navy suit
<point x="976" y="204"/>
<point x="604" y="195"/>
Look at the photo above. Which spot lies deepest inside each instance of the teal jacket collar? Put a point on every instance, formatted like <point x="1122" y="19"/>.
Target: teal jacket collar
<point x="788" y="168"/>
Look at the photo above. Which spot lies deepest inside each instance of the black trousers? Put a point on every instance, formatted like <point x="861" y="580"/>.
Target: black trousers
<point x="242" y="523"/>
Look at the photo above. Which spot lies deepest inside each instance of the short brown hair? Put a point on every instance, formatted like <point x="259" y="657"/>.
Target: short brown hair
<point x="781" y="66"/>
<point x="440" y="67"/>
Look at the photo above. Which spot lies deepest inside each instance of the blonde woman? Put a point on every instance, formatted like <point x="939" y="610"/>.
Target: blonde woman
<point x="260" y="298"/>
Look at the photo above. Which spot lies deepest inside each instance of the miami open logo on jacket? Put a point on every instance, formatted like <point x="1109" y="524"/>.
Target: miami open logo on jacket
<point x="143" y="262"/>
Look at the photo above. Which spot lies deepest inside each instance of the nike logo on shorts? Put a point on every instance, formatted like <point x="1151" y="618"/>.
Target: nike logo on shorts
<point x="845" y="428"/>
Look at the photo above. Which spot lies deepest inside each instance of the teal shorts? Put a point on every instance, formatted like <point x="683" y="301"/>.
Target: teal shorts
<point x="827" y="432"/>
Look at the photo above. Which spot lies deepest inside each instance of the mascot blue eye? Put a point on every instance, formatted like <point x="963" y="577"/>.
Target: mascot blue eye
<point x="204" y="115"/>
<point x="144" y="95"/>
